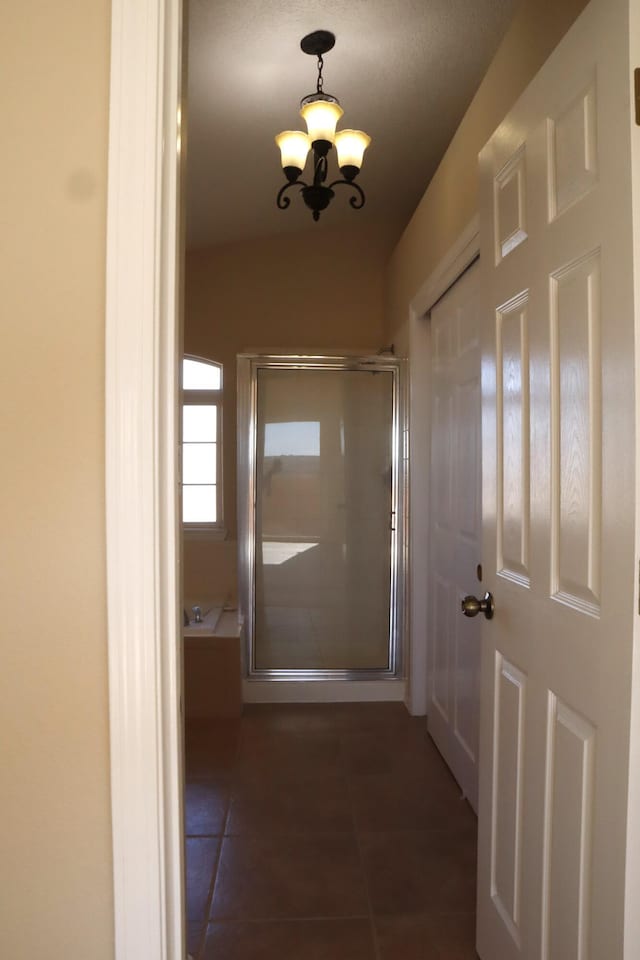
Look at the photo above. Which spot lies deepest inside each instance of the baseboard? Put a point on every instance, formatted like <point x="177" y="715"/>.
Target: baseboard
<point x="322" y="691"/>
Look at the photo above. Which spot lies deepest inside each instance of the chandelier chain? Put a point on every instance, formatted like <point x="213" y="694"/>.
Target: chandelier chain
<point x="320" y="80"/>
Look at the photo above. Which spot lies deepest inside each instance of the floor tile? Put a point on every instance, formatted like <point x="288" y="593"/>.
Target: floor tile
<point x="290" y="940"/>
<point x="417" y="796"/>
<point x="205" y="806"/>
<point x="456" y="936"/>
<point x="211" y="747"/>
<point x="389" y="751"/>
<point x="288" y="754"/>
<point x="350" y="717"/>
<point x="200" y="856"/>
<point x="446" y="937"/>
<point x="195" y="933"/>
<point x="290" y="717"/>
<point x="277" y="803"/>
<point x="294" y="782"/>
<point x="420" y="872"/>
<point x="406" y="938"/>
<point x="270" y="877"/>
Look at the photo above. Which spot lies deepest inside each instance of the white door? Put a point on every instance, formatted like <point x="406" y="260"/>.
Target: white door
<point x="454" y="535"/>
<point x="558" y="504"/>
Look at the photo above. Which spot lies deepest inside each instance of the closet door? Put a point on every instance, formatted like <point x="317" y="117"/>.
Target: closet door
<point x="455" y="526"/>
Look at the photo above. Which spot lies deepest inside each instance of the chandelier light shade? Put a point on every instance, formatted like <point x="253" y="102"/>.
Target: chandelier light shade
<point x="294" y="147"/>
<point x="321" y="113"/>
<point x="351" y="145"/>
<point x="321" y="118"/>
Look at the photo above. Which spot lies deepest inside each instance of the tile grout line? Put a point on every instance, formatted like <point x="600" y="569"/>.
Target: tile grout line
<point x="248" y="921"/>
<point x="374" y="934"/>
<point x="214" y="877"/>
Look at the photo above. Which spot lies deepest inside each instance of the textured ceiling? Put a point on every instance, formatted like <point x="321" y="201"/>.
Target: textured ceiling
<point x="403" y="70"/>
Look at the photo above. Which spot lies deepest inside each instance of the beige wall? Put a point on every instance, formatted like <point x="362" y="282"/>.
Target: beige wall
<point x="317" y="291"/>
<point x="55" y="845"/>
<point x="450" y="201"/>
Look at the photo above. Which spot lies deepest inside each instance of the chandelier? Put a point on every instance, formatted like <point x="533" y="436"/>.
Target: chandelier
<point x="321" y="113"/>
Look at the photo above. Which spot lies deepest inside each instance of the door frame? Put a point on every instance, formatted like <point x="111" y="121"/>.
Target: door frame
<point x="461" y="255"/>
<point x="142" y="336"/>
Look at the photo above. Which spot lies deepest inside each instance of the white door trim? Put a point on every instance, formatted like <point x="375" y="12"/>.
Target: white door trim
<point x="141" y="503"/>
<point x="463" y="252"/>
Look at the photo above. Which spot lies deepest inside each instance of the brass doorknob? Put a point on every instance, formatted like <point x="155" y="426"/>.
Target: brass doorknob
<point x="471" y="606"/>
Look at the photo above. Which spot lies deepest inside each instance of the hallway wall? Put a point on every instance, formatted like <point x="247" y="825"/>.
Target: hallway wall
<point x="317" y="291"/>
<point x="55" y="823"/>
<point x="450" y="201"/>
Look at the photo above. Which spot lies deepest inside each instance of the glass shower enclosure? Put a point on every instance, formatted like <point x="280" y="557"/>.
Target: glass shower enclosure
<point x="321" y="481"/>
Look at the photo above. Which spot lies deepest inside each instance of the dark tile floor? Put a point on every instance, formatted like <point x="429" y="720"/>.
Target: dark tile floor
<point x="325" y="832"/>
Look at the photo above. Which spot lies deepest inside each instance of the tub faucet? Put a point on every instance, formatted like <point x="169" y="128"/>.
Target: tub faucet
<point x="197" y="614"/>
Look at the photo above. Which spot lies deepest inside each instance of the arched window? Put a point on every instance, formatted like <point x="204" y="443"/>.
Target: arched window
<point x="201" y="444"/>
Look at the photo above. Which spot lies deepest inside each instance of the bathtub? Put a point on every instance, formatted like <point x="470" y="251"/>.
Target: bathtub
<point x="210" y="618"/>
<point x="212" y="664"/>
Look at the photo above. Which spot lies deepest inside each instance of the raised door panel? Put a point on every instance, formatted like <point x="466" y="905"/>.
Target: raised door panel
<point x="573" y="153"/>
<point x="467" y="453"/>
<point x="510" y="205"/>
<point x="513" y="453"/>
<point x="466" y="650"/>
<point x="576" y="404"/>
<point x="441" y="606"/>
<point x="567" y="833"/>
<point x="507" y="795"/>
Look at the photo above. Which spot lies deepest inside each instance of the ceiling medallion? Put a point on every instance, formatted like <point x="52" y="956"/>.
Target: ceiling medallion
<point x="321" y="113"/>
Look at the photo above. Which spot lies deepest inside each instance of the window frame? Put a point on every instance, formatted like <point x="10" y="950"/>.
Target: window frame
<point x="202" y="529"/>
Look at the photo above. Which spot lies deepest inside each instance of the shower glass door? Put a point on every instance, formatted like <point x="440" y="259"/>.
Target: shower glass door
<point x="324" y="537"/>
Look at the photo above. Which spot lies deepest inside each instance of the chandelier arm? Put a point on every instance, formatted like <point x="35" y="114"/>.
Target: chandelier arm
<point x="319" y="168"/>
<point x="356" y="202"/>
<point x="283" y="202"/>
